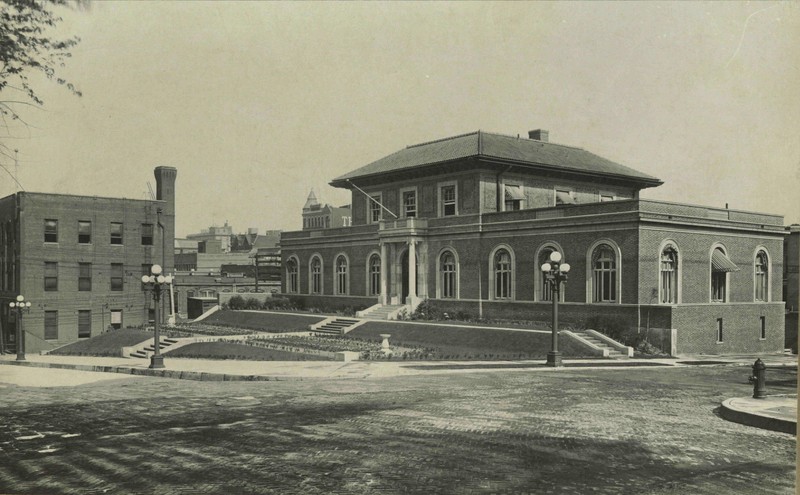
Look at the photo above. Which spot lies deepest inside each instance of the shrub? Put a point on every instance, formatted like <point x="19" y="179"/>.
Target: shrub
<point x="252" y="303"/>
<point x="236" y="302"/>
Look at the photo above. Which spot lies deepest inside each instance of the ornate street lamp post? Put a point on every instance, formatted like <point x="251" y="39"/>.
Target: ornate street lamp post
<point x="555" y="273"/>
<point x="21" y="306"/>
<point x="155" y="283"/>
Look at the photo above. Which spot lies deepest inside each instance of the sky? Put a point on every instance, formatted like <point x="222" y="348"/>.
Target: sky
<point x="258" y="103"/>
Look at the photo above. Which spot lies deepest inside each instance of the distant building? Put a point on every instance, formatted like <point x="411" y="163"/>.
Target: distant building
<point x="215" y="233"/>
<point x="319" y="216"/>
<point x="467" y="221"/>
<point x="79" y="260"/>
<point x="791" y="283"/>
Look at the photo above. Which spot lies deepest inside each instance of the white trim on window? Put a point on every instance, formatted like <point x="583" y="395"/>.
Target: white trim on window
<point x="368" y="285"/>
<point x="768" y="275"/>
<point x="440" y="274"/>
<point x="727" y="276"/>
<point x="440" y="197"/>
<point x="312" y="287"/>
<point x="665" y="244"/>
<point x="401" y="195"/>
<point x="289" y="288"/>
<point x="372" y="206"/>
<point x="590" y="282"/>
<point x="512" y="274"/>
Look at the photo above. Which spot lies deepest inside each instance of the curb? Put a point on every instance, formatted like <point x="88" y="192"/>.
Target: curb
<point x="731" y="413"/>
<point x="202" y="376"/>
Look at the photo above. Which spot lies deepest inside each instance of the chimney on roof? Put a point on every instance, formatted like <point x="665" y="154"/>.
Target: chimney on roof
<point x="539" y="135"/>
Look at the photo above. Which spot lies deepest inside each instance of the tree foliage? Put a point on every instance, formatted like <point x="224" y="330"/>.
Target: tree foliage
<point x="27" y="46"/>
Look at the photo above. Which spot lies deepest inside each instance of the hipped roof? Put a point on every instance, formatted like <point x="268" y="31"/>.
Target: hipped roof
<point x="520" y="151"/>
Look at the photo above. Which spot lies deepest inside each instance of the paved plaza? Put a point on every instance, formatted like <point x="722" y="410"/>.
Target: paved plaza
<point x="638" y="430"/>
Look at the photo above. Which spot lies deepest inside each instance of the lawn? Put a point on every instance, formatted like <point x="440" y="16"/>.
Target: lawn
<point x="106" y="344"/>
<point x="262" y="321"/>
<point x="227" y="350"/>
<point x="467" y="343"/>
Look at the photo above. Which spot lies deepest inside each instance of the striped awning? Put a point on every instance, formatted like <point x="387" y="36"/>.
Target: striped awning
<point x="564" y="198"/>
<point x="514" y="192"/>
<point x="721" y="263"/>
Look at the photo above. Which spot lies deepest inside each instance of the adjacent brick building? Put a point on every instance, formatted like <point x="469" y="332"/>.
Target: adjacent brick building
<point x="79" y="260"/>
<point x="478" y="214"/>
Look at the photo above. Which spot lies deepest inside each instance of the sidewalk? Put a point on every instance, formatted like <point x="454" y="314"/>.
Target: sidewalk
<point x="231" y="370"/>
<point x="776" y="412"/>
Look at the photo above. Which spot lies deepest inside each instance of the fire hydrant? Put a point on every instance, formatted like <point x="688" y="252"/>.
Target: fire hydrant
<point x="759" y="379"/>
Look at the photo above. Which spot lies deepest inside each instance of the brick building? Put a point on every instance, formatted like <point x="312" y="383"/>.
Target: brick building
<point x="478" y="214"/>
<point x="79" y="260"/>
<point x="325" y="216"/>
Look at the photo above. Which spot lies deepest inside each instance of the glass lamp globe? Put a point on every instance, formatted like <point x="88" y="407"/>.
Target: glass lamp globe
<point x="145" y="279"/>
<point x="555" y="256"/>
<point x="160" y="279"/>
<point x="546" y="267"/>
<point x="20" y="298"/>
<point x="156" y="269"/>
<point x="28" y="304"/>
<point x="11" y="304"/>
<point x="564" y="267"/>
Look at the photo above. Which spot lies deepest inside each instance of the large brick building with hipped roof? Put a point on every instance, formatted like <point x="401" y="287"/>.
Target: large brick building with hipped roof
<point x="478" y="214"/>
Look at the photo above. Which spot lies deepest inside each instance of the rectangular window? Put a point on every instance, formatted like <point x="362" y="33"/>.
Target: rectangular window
<point x="50" y="276"/>
<point x="719" y="330"/>
<point x="116" y="319"/>
<point x="514" y="196"/>
<point x="84" y="232"/>
<point x="116" y="276"/>
<point x="409" y="204"/>
<point x="763" y="322"/>
<point x="51" y="325"/>
<point x="51" y="231"/>
<point x="374" y="207"/>
<point x="147" y="234"/>
<point x="448" y="199"/>
<point x="116" y="233"/>
<point x="84" y="276"/>
<point x="606" y="197"/>
<point x="84" y="324"/>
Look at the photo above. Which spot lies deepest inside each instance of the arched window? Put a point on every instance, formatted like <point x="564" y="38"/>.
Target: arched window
<point x="291" y="276"/>
<point x="315" y="285"/>
<point x="668" y="276"/>
<point x="721" y="265"/>
<point x="448" y="274"/>
<point x="762" y="276"/>
<point x="502" y="274"/>
<point x="604" y="274"/>
<point x="374" y="275"/>
<point x="341" y="275"/>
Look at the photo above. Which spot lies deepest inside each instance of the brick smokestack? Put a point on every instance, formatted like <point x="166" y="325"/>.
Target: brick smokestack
<point x="165" y="194"/>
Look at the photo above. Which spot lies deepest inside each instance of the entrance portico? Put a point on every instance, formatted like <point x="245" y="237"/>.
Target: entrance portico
<point x="401" y="249"/>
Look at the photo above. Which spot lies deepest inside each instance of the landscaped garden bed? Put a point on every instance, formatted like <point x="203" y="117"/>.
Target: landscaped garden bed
<point x="261" y="321"/>
<point x="106" y="344"/>
<point x="241" y="351"/>
<point x="448" y="342"/>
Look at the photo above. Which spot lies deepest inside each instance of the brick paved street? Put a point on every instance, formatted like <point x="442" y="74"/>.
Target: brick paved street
<point x="637" y="431"/>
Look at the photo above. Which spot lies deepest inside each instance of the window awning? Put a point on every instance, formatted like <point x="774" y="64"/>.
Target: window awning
<point x="564" y="198"/>
<point x="514" y="193"/>
<point x="721" y="263"/>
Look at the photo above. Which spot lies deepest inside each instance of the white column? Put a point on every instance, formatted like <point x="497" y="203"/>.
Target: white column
<point x="412" y="269"/>
<point x="384" y="274"/>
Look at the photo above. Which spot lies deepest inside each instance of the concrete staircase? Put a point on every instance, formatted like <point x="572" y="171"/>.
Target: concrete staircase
<point x="335" y="326"/>
<point x="385" y="312"/>
<point x="611" y="348"/>
<point x="144" y="351"/>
